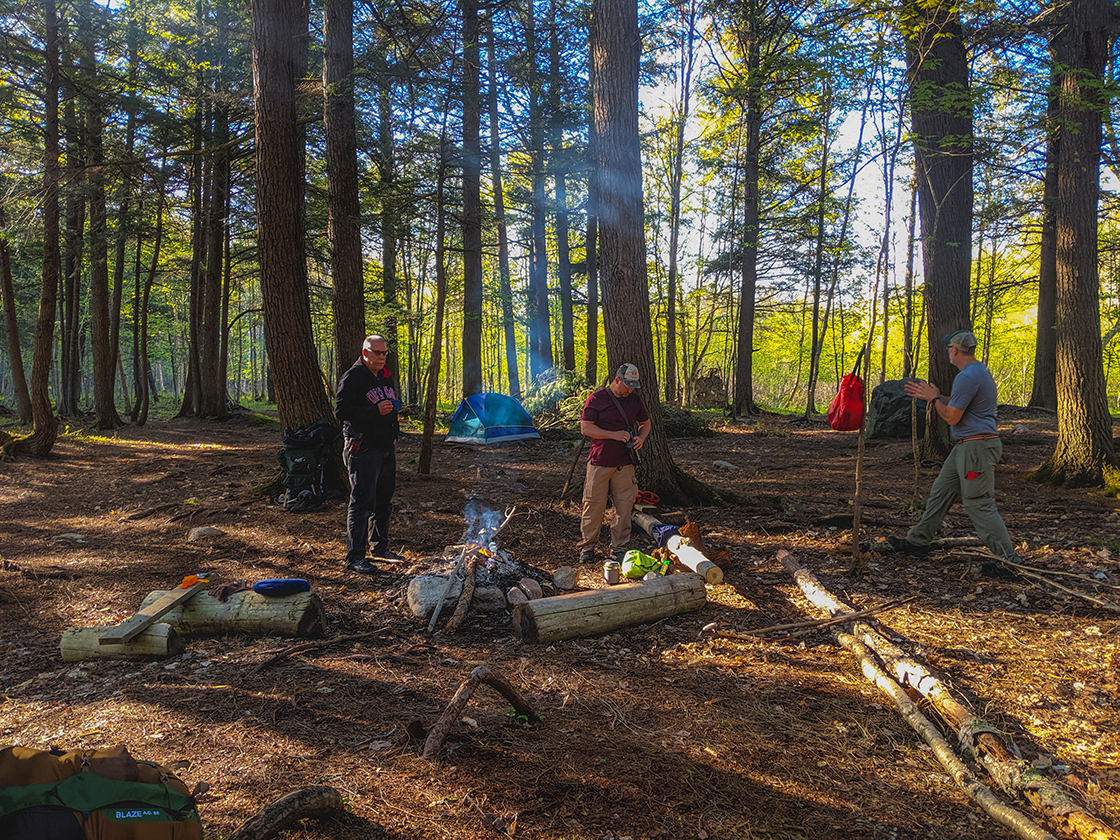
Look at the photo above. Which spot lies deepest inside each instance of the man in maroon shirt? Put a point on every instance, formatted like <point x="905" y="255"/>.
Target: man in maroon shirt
<point x="610" y="470"/>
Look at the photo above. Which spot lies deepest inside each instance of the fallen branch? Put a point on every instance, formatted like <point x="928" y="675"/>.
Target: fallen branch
<point x="316" y="801"/>
<point x="1037" y="574"/>
<point x="797" y="625"/>
<point x="464" y="597"/>
<point x="1015" y="776"/>
<point x="306" y="646"/>
<point x="451" y="715"/>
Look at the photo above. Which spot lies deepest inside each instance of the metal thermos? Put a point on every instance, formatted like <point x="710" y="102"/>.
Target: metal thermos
<point x="612" y="572"/>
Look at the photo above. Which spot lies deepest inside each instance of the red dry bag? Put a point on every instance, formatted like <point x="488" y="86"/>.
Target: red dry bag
<point x="846" y="412"/>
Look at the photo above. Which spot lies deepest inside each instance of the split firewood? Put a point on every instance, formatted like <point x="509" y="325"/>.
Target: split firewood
<point x="454" y="710"/>
<point x="1016" y="777"/>
<point x="465" y="596"/>
<point x="316" y="801"/>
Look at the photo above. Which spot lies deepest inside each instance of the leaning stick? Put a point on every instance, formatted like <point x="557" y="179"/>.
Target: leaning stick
<point x="797" y="625"/>
<point x="572" y="471"/>
<point x="464" y="597"/>
<point x="1016" y="777"/>
<point x="316" y="801"/>
<point x="450" y="716"/>
<point x="306" y="646"/>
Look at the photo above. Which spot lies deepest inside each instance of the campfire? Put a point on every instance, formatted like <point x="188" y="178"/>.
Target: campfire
<point x="477" y="572"/>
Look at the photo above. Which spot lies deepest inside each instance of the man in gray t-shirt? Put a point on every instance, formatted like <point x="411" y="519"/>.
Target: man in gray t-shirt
<point x="969" y="473"/>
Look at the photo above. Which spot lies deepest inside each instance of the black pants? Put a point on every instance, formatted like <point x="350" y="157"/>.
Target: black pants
<point x="373" y="478"/>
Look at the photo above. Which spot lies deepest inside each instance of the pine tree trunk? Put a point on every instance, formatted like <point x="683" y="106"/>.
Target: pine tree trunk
<point x="623" y="271"/>
<point x="344" y="224"/>
<point x="472" y="205"/>
<point x="504" y="289"/>
<point x="15" y="352"/>
<point x="540" y="328"/>
<point x="431" y="385"/>
<point x="386" y="161"/>
<point x="559" y="178"/>
<point x="591" y="261"/>
<point x="941" y="115"/>
<point x="1084" y="450"/>
<point x="1044" y="393"/>
<point x="279" y="57"/>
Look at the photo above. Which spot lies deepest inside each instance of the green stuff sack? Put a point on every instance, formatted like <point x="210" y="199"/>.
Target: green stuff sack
<point x="636" y="565"/>
<point x="86" y="795"/>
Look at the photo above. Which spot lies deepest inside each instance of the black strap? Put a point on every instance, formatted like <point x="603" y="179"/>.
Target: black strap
<point x="630" y="453"/>
<point x="859" y="360"/>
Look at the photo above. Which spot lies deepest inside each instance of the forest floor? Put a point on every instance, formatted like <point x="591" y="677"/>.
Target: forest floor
<point x="648" y="732"/>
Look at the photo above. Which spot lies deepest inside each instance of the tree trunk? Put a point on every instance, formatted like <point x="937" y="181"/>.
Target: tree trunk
<point x="941" y="115"/>
<point x="279" y="53"/>
<point x="1084" y="450"/>
<point x="623" y="272"/>
<point x="70" y="362"/>
<point x="540" y="330"/>
<point x="45" y="425"/>
<point x="817" y="333"/>
<point x="431" y="386"/>
<point x="908" y="338"/>
<point x="1044" y="393"/>
<point x="472" y="205"/>
<point x="15" y="353"/>
<point x="143" y="395"/>
<point x="672" y="387"/>
<point x="344" y="225"/>
<point x="591" y="262"/>
<point x="559" y="178"/>
<point x="505" y="290"/>
<point x="192" y="369"/>
<point x="386" y="161"/>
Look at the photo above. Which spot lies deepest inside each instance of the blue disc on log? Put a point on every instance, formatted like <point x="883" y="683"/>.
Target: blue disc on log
<point x="279" y="587"/>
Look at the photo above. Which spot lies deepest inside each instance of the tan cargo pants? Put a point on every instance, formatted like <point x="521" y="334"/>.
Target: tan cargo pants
<point x="622" y="486"/>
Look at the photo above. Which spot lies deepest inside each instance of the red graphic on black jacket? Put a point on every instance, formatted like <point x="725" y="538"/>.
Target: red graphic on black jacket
<point x="382" y="391"/>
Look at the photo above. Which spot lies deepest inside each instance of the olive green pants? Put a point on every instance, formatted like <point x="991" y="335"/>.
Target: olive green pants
<point x="968" y="474"/>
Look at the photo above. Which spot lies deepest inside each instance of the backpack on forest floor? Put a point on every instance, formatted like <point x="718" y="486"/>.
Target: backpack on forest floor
<point x="305" y="466"/>
<point x="88" y="795"/>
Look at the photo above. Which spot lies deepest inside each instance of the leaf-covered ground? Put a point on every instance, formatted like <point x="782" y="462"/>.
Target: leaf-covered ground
<point x="648" y="732"/>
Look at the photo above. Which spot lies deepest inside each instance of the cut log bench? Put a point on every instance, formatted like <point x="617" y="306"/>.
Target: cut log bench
<point x="602" y="610"/>
<point x="158" y="629"/>
<point x="681" y="549"/>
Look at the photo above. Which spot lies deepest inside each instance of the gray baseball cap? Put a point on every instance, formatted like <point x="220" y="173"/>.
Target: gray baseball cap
<point x="963" y="340"/>
<point x="629" y="376"/>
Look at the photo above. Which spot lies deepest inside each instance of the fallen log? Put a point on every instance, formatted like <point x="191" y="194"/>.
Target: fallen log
<point x="454" y="710"/>
<point x="596" y="611"/>
<point x="1016" y="777"/>
<point x="246" y="612"/>
<point x="316" y="801"/>
<point x="158" y="641"/>
<point x="151" y="611"/>
<point x="681" y="548"/>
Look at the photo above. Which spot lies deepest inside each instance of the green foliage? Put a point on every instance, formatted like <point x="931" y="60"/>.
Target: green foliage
<point x="556" y="393"/>
<point x="683" y="423"/>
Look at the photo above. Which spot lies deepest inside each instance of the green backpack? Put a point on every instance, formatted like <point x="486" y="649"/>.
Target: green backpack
<point x="86" y="795"/>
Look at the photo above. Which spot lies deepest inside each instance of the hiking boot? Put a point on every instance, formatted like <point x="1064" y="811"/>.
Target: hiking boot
<point x="388" y="556"/>
<point x="618" y="555"/>
<point x="362" y="567"/>
<point x="587" y="555"/>
<point x="905" y="546"/>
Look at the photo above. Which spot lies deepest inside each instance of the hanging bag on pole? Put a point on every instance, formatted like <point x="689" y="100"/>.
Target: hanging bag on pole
<point x="846" y="412"/>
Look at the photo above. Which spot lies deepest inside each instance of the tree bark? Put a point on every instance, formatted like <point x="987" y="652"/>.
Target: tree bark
<point x="15" y="352"/>
<point x="344" y="224"/>
<point x="279" y="52"/>
<point x="623" y="272"/>
<point x="559" y="180"/>
<point x="505" y="291"/>
<point x="431" y="386"/>
<point x="540" y="329"/>
<point x="472" y="205"/>
<point x="941" y="116"/>
<point x="45" y="425"/>
<point x="591" y="262"/>
<point x="1044" y="393"/>
<point x="1084" y="450"/>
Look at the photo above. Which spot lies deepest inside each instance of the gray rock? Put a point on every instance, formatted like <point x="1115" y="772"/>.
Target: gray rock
<point x="488" y="599"/>
<point x="424" y="591"/>
<point x="531" y="588"/>
<point x="724" y="465"/>
<point x="204" y="533"/>
<point x="70" y="537"/>
<point x="515" y="596"/>
<point x="888" y="414"/>
<point x="564" y="578"/>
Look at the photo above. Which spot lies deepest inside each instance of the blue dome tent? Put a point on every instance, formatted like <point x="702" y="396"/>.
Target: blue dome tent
<point x="490" y="418"/>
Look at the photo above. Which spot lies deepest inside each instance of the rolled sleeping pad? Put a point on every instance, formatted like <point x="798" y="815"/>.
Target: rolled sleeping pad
<point x="279" y="587"/>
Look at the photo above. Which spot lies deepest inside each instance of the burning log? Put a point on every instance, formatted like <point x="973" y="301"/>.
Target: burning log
<point x="1018" y="778"/>
<point x="602" y="610"/>
<point x="465" y="597"/>
<point x="246" y="612"/>
<point x="682" y="549"/>
<point x="450" y="716"/>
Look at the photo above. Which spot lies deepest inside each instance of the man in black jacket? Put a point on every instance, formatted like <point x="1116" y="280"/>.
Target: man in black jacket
<point x="367" y="404"/>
